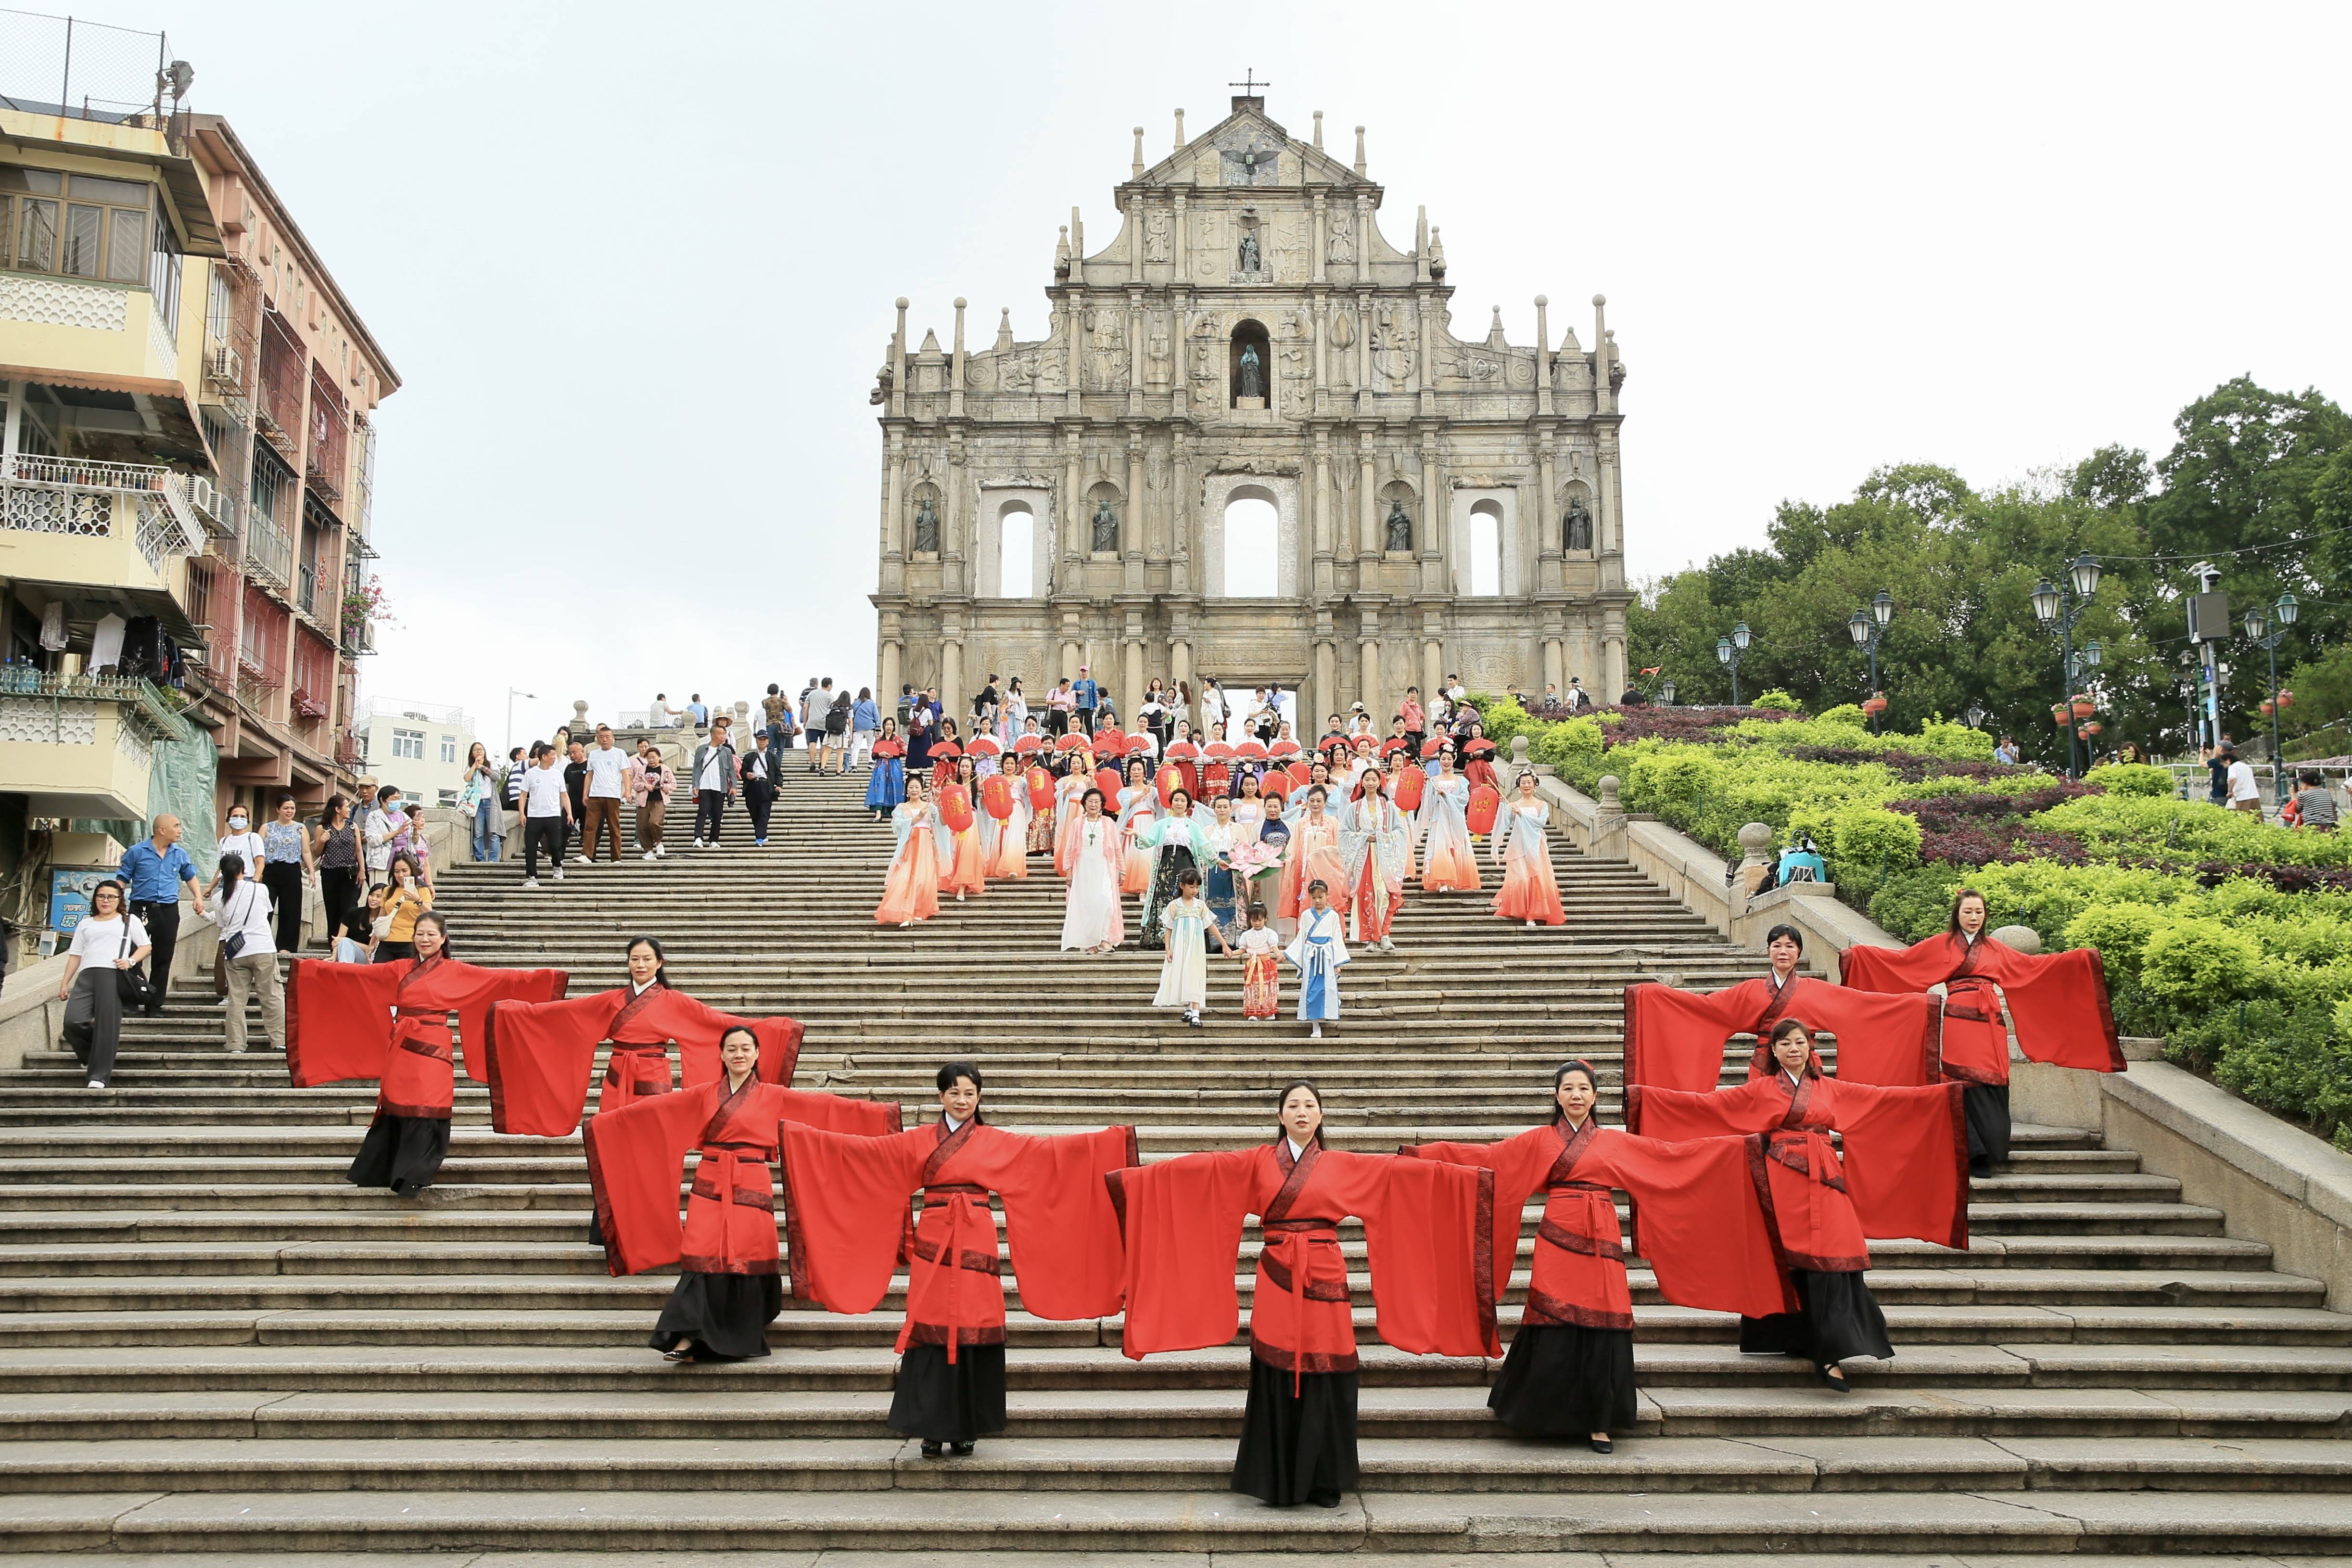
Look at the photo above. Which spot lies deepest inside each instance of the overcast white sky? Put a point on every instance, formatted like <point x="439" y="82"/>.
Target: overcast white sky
<point x="637" y="263"/>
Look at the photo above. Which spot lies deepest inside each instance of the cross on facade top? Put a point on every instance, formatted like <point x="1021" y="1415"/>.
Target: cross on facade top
<point x="1249" y="83"/>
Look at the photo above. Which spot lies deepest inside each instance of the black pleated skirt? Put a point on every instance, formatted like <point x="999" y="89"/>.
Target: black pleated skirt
<point x="403" y="1152"/>
<point x="1841" y="1318"/>
<point x="943" y="1404"/>
<point x="726" y="1315"/>
<point x="1563" y="1381"/>
<point x="1986" y="1108"/>
<point x="1297" y="1447"/>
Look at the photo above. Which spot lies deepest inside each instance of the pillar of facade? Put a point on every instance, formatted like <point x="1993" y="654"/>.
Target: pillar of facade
<point x="1327" y="683"/>
<point x="1435" y="557"/>
<point x="1130" y="531"/>
<point x="893" y="496"/>
<point x="1069" y="656"/>
<point x="1074" y="525"/>
<point x="1180" y="657"/>
<point x="1180" y="510"/>
<point x="1322" y="529"/>
<point x="955" y="367"/>
<point x="1130" y="689"/>
<point x="1367" y="508"/>
<point x="1368" y="673"/>
<point x="951" y="671"/>
<point x="1433" y="660"/>
<point x="893" y="651"/>
<point x="1554" y="656"/>
<point x="1613" y="652"/>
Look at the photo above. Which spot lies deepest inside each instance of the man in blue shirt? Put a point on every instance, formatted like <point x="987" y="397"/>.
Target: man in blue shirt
<point x="1089" y="695"/>
<point x="154" y="872"/>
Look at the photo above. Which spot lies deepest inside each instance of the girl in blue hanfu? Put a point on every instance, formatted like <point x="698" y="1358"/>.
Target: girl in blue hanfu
<point x="887" y="788"/>
<point x="1317" y="953"/>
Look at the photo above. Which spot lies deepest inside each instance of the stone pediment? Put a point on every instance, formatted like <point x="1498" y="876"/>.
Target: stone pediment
<point x="1246" y="150"/>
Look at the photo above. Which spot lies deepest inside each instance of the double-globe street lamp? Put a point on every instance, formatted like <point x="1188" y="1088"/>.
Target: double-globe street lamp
<point x="1730" y="650"/>
<point x="2056" y="609"/>
<point x="1869" y="629"/>
<point x="2259" y="633"/>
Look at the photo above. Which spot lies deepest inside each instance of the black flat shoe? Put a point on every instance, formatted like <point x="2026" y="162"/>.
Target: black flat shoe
<point x="1835" y="1385"/>
<point x="930" y="1450"/>
<point x="1602" y="1445"/>
<point x="961" y="1450"/>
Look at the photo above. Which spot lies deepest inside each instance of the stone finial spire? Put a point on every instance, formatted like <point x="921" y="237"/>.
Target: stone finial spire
<point x="1318" y="131"/>
<point x="1359" y="149"/>
<point x="1004" y="330"/>
<point x="1543" y="355"/>
<point x="1179" y="130"/>
<point x="955" y="367"/>
<point x="1139" y="151"/>
<point x="1420" y="243"/>
<point x="1062" y="254"/>
<point x="1437" y="254"/>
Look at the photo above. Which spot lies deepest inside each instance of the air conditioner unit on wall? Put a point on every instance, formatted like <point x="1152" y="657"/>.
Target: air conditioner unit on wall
<point x="222" y="364"/>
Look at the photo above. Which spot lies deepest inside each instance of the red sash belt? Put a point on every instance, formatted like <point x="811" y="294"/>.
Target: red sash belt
<point x="1795" y="1151"/>
<point x="1285" y="1258"/>
<point x="716" y="1177"/>
<point x="637" y="1053"/>
<point x="958" y="1259"/>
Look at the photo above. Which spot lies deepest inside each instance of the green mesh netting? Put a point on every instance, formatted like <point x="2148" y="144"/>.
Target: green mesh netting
<point x="180" y="780"/>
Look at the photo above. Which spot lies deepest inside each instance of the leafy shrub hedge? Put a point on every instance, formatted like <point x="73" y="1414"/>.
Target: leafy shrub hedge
<point x="2228" y="937"/>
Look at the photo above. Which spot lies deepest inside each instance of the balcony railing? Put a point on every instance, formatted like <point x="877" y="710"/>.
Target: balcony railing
<point x="268" y="553"/>
<point x="305" y="590"/>
<point x="359" y="637"/>
<point x="76" y="495"/>
<point x="144" y="706"/>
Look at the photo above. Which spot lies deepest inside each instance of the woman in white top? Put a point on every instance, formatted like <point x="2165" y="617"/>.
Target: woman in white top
<point x="108" y="939"/>
<point x="238" y="838"/>
<point x="240" y="906"/>
<point x="1013" y="718"/>
<point x="1448" y="863"/>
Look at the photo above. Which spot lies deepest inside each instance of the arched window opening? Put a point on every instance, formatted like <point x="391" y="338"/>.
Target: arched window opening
<point x="1485" y="550"/>
<point x="1253" y="568"/>
<point x="1017" y="546"/>
<point x="1251" y="362"/>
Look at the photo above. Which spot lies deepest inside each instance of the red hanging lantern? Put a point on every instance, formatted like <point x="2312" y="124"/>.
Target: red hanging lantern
<point x="1041" y="790"/>
<point x="996" y="797"/>
<point x="1409" y="786"/>
<point x="955" y="810"/>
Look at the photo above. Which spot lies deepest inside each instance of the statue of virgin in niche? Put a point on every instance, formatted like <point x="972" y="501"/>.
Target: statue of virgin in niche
<point x="1253" y="373"/>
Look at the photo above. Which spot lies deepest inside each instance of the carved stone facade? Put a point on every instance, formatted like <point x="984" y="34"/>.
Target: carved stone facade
<point x="1250" y="335"/>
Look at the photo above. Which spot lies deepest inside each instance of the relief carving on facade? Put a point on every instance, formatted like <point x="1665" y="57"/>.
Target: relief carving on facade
<point x="1343" y="237"/>
<point x="1158" y="229"/>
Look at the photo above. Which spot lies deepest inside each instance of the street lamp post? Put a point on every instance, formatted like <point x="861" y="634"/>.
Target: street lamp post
<point x="1868" y="629"/>
<point x="2057" y="609"/>
<point x="2259" y="633"/>
<point x="1730" y="650"/>
<point x="512" y="694"/>
<point x="1666" y="692"/>
<point x="1975" y="715"/>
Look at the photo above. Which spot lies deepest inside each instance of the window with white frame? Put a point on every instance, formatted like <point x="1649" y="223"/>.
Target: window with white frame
<point x="408" y="743"/>
<point x="448" y="748"/>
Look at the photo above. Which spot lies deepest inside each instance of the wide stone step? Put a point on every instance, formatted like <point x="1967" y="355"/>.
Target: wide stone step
<point x="1656" y="1465"/>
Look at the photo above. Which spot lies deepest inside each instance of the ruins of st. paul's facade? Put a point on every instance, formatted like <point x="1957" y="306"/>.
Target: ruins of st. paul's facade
<point x="1249" y="334"/>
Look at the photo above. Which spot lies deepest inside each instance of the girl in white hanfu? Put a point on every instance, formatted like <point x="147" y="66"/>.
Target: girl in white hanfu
<point x="1137" y="805"/>
<point x="1012" y="717"/>
<point x="1376" y="842"/>
<point x="1069" y="790"/>
<point x="1184" y="971"/>
<point x="910" y="888"/>
<point x="1448" y="863"/>
<point x="1011" y="856"/>
<point x="1530" y="892"/>
<point x="1318" y="951"/>
<point x="1091" y="919"/>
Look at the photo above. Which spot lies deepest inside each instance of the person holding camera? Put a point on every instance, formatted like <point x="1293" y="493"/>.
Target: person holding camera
<point x="241" y="908"/>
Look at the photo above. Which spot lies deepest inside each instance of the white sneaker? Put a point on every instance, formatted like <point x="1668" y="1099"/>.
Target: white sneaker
<point x="1532" y="925"/>
<point x="660" y="850"/>
<point x="582" y="861"/>
<point x="699" y="844"/>
<point x="95" y="1084"/>
<point x="649" y="855"/>
<point x="1318" y="1034"/>
<point x="559" y="873"/>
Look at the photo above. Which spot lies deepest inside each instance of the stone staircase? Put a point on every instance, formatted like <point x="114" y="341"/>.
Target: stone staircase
<point x="209" y="1343"/>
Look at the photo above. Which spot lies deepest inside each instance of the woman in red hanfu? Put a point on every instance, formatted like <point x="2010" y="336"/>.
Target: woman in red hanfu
<point x="1702" y="1229"/>
<point x="391" y="1021"/>
<point x="1428" y="1229"/>
<point x="539" y="1053"/>
<point x="727" y="1289"/>
<point x="1904" y="1173"/>
<point x="1676" y="1039"/>
<point x="845" y="1214"/>
<point x="2059" y="1001"/>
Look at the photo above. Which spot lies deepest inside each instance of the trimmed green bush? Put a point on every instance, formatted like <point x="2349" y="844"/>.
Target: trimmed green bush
<point x="2131" y="778"/>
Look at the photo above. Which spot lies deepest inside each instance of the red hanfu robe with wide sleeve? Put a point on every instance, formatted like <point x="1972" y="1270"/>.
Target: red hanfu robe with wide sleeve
<point x="539" y="1053"/>
<point x="1675" y="1039"/>
<point x="846" y="1216"/>
<point x="636" y="1154"/>
<point x="1428" y="1229"/>
<point x="391" y="1022"/>
<point x="2059" y="1001"/>
<point x="1904" y="1171"/>
<point x="1698" y="1221"/>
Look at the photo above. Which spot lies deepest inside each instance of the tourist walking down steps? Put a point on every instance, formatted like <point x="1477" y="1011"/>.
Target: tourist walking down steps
<point x="547" y="813"/>
<point x="713" y="772"/>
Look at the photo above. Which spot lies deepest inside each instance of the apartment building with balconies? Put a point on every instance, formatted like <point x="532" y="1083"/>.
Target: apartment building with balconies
<point x="186" y="464"/>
